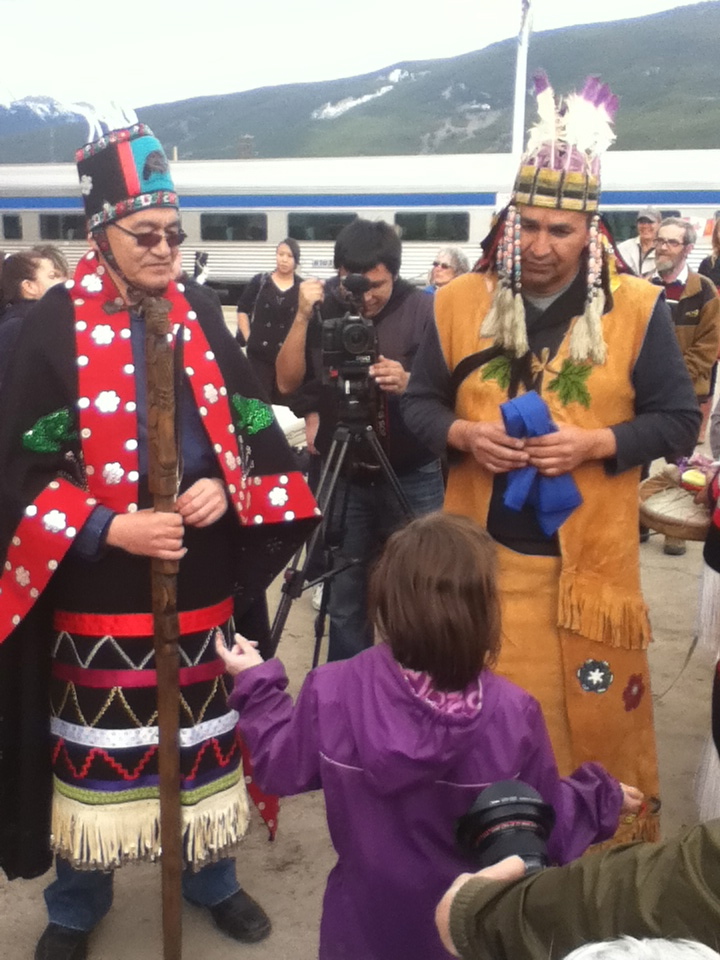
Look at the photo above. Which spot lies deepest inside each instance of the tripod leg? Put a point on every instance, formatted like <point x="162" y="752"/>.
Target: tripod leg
<point x="388" y="472"/>
<point x="295" y="575"/>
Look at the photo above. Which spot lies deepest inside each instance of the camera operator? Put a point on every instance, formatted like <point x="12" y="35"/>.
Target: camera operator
<point x="669" y="889"/>
<point x="400" y="314"/>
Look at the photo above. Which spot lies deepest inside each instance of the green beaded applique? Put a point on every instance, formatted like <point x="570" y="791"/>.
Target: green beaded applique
<point x="570" y="384"/>
<point x="498" y="369"/>
<point x="252" y="415"/>
<point x="50" y="432"/>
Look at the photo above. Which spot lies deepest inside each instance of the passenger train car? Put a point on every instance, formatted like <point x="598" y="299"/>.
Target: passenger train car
<point x="238" y="211"/>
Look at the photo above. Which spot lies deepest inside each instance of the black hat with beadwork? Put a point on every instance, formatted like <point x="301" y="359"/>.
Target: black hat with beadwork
<point x="122" y="172"/>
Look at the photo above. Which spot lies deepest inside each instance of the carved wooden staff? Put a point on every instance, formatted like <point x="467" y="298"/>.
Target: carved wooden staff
<point x="163" y="483"/>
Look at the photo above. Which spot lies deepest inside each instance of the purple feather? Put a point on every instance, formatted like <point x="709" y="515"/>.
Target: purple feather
<point x="541" y="82"/>
<point x="611" y="106"/>
<point x="590" y="89"/>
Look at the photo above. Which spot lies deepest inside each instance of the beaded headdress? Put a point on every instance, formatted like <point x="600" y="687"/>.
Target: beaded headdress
<point x="561" y="171"/>
<point x="122" y="172"/>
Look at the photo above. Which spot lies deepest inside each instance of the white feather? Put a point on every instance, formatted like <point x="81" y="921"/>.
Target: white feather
<point x="545" y="130"/>
<point x="587" y="126"/>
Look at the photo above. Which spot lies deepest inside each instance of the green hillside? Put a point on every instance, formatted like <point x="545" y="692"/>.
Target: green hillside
<point x="662" y="67"/>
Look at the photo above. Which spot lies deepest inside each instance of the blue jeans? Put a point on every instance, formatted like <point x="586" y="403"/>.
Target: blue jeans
<point x="372" y="514"/>
<point x="80" y="898"/>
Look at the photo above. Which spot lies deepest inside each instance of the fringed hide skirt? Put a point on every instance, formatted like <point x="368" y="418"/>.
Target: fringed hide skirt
<point x="595" y="697"/>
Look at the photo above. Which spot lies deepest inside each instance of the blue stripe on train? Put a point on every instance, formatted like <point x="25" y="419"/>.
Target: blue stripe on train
<point x="359" y="200"/>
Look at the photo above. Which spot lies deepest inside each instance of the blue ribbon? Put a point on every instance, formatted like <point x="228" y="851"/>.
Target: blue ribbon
<point x="552" y="498"/>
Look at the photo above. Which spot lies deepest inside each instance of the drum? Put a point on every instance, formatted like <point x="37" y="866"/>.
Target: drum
<point x="667" y="507"/>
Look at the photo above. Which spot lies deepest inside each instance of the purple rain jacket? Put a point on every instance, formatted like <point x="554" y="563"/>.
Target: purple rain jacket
<point x="396" y="776"/>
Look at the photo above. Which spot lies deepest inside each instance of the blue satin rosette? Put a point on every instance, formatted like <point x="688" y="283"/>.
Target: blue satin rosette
<point x="552" y="498"/>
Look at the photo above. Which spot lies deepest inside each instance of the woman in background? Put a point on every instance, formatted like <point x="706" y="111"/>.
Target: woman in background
<point x="449" y="263"/>
<point x="24" y="279"/>
<point x="710" y="266"/>
<point x="265" y="312"/>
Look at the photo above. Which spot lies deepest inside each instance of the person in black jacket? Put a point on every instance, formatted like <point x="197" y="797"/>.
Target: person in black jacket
<point x="24" y="278"/>
<point x="400" y="314"/>
<point x="710" y="266"/>
<point x="266" y="310"/>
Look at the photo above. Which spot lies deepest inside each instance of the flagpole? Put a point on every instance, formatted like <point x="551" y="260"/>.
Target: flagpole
<point x="523" y="42"/>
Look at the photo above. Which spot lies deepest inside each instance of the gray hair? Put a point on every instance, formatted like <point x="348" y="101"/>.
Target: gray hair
<point x="690" y="234"/>
<point x="455" y="257"/>
<point x="628" y="948"/>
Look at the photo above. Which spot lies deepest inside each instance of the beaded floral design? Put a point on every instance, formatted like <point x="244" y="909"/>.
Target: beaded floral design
<point x="595" y="676"/>
<point x="633" y="692"/>
<point x="50" y="433"/>
<point x="252" y="415"/>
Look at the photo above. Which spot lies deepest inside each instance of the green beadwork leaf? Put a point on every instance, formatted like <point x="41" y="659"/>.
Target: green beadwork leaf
<point x="50" y="432"/>
<point x="570" y="383"/>
<point x="498" y="369"/>
<point x="252" y="415"/>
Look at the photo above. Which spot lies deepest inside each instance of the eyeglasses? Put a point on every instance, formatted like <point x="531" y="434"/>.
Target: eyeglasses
<point x="151" y="238"/>
<point x="673" y="244"/>
<point x="445" y="266"/>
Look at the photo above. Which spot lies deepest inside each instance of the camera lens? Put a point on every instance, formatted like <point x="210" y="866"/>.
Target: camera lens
<point x="357" y="338"/>
<point x="508" y="818"/>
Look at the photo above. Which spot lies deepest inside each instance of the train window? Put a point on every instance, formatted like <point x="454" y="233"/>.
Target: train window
<point x="318" y="226"/>
<point x="434" y="227"/>
<point x="62" y="226"/>
<point x="247" y="227"/>
<point x="12" y="226"/>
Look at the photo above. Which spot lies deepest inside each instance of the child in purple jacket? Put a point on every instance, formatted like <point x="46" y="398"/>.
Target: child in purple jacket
<point x="403" y="737"/>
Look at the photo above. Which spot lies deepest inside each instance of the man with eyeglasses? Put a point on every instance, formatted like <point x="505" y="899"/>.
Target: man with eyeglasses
<point x="77" y="532"/>
<point x="695" y="308"/>
<point x="639" y="252"/>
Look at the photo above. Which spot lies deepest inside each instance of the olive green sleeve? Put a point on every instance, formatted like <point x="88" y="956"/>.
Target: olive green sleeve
<point x="669" y="889"/>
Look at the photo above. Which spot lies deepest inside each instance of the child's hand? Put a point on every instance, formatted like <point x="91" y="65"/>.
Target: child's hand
<point x="242" y="656"/>
<point x="632" y="799"/>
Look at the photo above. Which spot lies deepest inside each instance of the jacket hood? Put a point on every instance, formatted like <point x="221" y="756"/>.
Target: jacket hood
<point x="402" y="740"/>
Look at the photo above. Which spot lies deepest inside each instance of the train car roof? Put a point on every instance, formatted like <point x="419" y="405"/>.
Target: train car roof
<point x="667" y="170"/>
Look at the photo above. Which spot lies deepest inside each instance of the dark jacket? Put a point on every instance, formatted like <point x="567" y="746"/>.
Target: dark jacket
<point x="399" y="327"/>
<point x="42" y="381"/>
<point x="11" y="320"/>
<point x="710" y="268"/>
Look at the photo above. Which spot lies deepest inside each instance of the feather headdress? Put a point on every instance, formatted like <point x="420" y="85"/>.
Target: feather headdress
<point x="560" y="170"/>
<point x="561" y="166"/>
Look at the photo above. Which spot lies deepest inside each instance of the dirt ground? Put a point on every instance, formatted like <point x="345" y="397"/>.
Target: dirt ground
<point x="288" y="876"/>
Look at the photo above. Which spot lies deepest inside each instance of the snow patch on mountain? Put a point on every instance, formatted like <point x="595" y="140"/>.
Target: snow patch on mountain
<point x="330" y="111"/>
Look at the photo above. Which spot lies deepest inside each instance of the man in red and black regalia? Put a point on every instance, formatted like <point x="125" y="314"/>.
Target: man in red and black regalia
<point x="77" y="678"/>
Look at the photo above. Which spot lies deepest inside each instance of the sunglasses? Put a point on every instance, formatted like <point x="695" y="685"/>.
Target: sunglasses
<point x="151" y="238"/>
<point x="445" y="266"/>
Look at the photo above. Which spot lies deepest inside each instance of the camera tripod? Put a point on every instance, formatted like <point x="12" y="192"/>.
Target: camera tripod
<point x="347" y="438"/>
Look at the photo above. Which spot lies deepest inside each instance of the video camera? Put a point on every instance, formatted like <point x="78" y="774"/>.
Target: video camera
<point x="349" y="348"/>
<point x="509" y="817"/>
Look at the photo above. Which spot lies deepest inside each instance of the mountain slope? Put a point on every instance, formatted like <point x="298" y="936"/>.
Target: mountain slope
<point x="662" y="67"/>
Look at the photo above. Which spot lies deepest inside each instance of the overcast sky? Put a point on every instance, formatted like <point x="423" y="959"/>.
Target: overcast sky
<point x="137" y="53"/>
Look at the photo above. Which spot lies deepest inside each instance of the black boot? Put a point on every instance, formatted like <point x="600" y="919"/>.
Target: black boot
<point x="241" y="918"/>
<point x="62" y="943"/>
